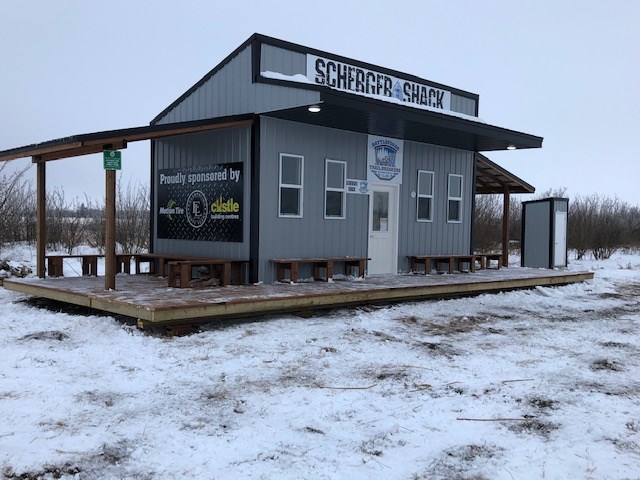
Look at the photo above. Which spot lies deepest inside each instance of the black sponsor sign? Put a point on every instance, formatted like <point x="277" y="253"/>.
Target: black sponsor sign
<point x="201" y="203"/>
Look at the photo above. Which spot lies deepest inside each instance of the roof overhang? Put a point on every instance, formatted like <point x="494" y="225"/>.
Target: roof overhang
<point x="368" y="115"/>
<point x="87" y="143"/>
<point x="492" y="178"/>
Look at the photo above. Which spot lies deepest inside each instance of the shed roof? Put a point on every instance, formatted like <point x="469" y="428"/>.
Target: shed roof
<point x="367" y="115"/>
<point x="492" y="178"/>
<point x="86" y="143"/>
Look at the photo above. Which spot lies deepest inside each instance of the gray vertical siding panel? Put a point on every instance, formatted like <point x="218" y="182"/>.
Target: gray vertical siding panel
<point x="231" y="92"/>
<point x="462" y="104"/>
<point x="314" y="236"/>
<point x="222" y="146"/>
<point x="276" y="59"/>
<point x="438" y="236"/>
<point x="311" y="235"/>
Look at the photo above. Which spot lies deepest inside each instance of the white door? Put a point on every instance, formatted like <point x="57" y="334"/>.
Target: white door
<point x="383" y="229"/>
<point x="560" y="242"/>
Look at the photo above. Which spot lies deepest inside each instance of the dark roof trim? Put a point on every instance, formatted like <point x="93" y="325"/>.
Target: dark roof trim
<point x="488" y="174"/>
<point x="369" y="66"/>
<point x="376" y="117"/>
<point x="87" y="143"/>
<point x="548" y="199"/>
<point x="200" y="82"/>
<point x="444" y="119"/>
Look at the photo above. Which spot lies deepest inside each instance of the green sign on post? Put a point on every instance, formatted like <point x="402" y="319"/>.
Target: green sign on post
<point x="112" y="159"/>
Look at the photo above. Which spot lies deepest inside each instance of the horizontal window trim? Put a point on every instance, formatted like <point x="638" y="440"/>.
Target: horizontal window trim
<point x="458" y="199"/>
<point x="299" y="187"/>
<point x="343" y="190"/>
<point x="424" y="195"/>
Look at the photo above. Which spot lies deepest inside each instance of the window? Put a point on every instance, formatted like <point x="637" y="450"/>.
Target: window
<point x="380" y="218"/>
<point x="454" y="210"/>
<point x="335" y="179"/>
<point x="291" y="183"/>
<point x="425" y="196"/>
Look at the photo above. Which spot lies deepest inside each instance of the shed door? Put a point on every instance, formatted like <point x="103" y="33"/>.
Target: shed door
<point x="383" y="229"/>
<point x="560" y="242"/>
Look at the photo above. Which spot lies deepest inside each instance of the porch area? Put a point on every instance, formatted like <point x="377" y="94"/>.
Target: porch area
<point x="147" y="298"/>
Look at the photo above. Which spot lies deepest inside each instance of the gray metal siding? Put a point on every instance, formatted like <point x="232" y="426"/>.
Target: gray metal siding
<point x="462" y="104"/>
<point x="222" y="146"/>
<point x="312" y="235"/>
<point x="276" y="59"/>
<point x="437" y="237"/>
<point x="536" y="234"/>
<point x="231" y="92"/>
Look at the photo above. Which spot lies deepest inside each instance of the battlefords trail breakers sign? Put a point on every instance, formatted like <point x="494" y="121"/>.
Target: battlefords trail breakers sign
<point x="361" y="81"/>
<point x="201" y="203"/>
<point x="384" y="160"/>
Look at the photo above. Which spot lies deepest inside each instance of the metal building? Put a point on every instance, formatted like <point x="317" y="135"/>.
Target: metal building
<point x="322" y="156"/>
<point x="544" y="233"/>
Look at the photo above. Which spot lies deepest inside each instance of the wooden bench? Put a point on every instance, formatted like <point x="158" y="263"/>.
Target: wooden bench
<point x="181" y="271"/>
<point x="89" y="264"/>
<point x="161" y="259"/>
<point x="319" y="264"/>
<point x="151" y="258"/>
<point x="450" y="260"/>
<point x="438" y="260"/>
<point x="485" y="259"/>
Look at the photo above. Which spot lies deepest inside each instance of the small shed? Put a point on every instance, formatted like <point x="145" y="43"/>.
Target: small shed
<point x="544" y="233"/>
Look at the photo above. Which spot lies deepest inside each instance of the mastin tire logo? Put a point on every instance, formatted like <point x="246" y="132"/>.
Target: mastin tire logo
<point x="171" y="209"/>
<point x="385" y="158"/>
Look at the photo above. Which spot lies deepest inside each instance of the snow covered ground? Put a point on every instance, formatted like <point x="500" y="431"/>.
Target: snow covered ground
<point x="542" y="383"/>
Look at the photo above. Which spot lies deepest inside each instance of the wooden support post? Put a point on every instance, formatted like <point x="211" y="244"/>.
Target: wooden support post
<point x="505" y="228"/>
<point x="110" y="231"/>
<point x="41" y="220"/>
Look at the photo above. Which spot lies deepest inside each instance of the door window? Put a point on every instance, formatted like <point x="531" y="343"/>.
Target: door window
<point x="380" y="211"/>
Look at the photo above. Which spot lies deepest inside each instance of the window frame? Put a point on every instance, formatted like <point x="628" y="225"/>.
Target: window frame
<point x="282" y="185"/>
<point x="424" y="195"/>
<point x="343" y="190"/>
<point x="458" y="199"/>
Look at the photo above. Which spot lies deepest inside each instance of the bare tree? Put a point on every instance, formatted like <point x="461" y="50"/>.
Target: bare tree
<point x="16" y="195"/>
<point x="487" y="223"/>
<point x="581" y="224"/>
<point x="515" y="219"/>
<point x="632" y="238"/>
<point x="608" y="233"/>
<point x="95" y="224"/>
<point x="66" y="228"/>
<point x="132" y="218"/>
<point x="488" y="218"/>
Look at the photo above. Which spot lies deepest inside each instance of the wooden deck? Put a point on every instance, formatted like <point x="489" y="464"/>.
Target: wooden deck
<point x="148" y="299"/>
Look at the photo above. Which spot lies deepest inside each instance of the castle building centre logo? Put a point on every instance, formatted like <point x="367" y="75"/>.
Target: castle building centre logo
<point x="384" y="160"/>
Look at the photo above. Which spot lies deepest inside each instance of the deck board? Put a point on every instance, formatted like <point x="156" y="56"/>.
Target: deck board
<point x="148" y="298"/>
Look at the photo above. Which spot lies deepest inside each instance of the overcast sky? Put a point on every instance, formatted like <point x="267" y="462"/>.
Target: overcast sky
<point x="568" y="71"/>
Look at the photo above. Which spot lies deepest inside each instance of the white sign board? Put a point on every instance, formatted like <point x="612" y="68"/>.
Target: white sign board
<point x="361" y="81"/>
<point x="360" y="187"/>
<point x="384" y="160"/>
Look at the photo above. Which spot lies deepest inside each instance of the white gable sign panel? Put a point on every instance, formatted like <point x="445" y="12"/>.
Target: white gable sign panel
<point x="361" y="81"/>
<point x="384" y="160"/>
